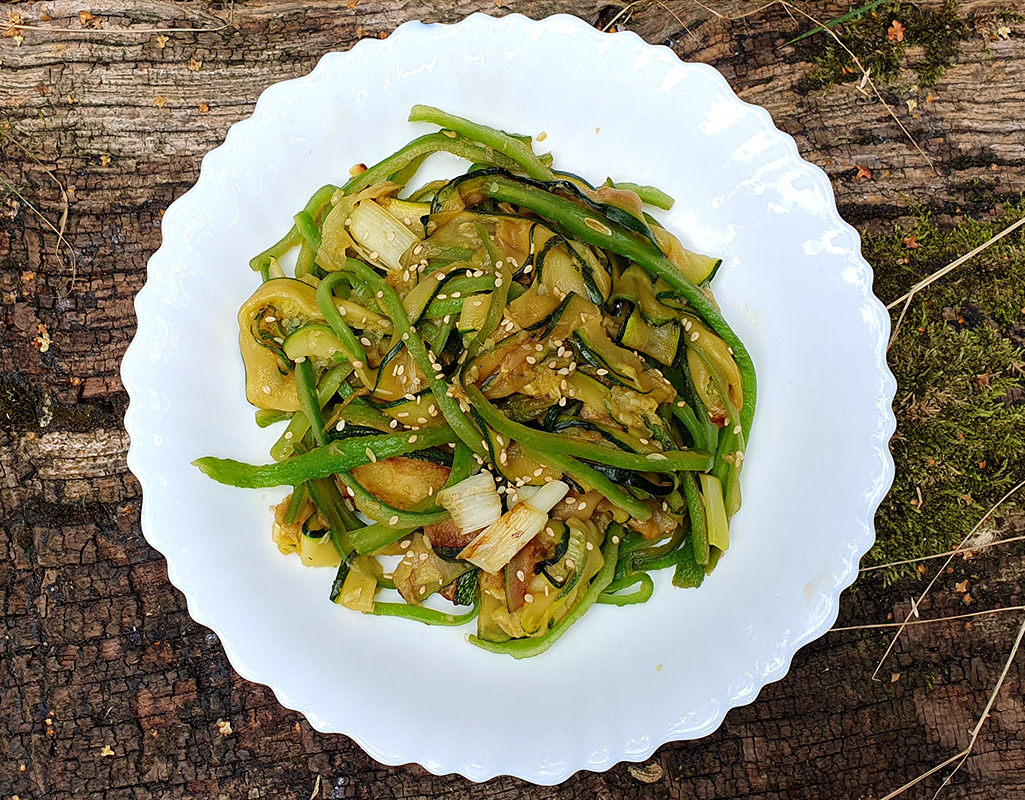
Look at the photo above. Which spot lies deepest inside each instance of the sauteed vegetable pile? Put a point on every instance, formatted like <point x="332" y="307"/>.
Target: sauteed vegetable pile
<point x="521" y="380"/>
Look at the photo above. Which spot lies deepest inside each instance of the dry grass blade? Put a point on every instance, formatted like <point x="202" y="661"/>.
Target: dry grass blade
<point x="909" y="296"/>
<point x="960" y="548"/>
<point x="954" y="618"/>
<point x="135" y="31"/>
<point x="62" y="223"/>
<point x="961" y="757"/>
<point x="966" y="551"/>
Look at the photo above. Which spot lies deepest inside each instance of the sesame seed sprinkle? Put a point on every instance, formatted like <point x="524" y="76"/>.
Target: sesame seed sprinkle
<point x="394" y="520"/>
<point x="370" y="455"/>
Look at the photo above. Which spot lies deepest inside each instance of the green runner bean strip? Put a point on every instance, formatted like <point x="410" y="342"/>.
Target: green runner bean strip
<point x="334" y="458"/>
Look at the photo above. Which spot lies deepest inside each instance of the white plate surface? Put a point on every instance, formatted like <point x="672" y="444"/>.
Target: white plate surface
<point x="623" y="680"/>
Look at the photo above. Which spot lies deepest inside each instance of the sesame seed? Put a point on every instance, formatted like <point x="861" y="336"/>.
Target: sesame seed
<point x="402" y="414"/>
<point x="370" y="455"/>
<point x="562" y="401"/>
<point x="520" y="575"/>
<point x="549" y="479"/>
<point x="269" y="318"/>
<point x="643" y="441"/>
<point x="681" y="404"/>
<point x="393" y="424"/>
<point x="266" y="390"/>
<point x="477" y="303"/>
<point x="656" y="457"/>
<point x="537" y="474"/>
<point x="553" y="364"/>
<point x="289" y="434"/>
<point x="615" y="540"/>
<point x="407" y="221"/>
<point x="582" y="505"/>
<point x="340" y="426"/>
<point x="391" y="236"/>
<point x="439" y="276"/>
<point x="394" y="521"/>
<point x="498" y="282"/>
<point x="405" y="543"/>
<point x="412" y="438"/>
<point x="374" y="255"/>
<point x="446" y="319"/>
<point x="694" y="336"/>
<point x="456" y="295"/>
<point x="527" y="269"/>
<point x="423" y="556"/>
<point x="531" y="360"/>
<point x="590" y="546"/>
<point x="409" y="396"/>
<point x="405" y="337"/>
<point x="418" y="249"/>
<point x="348" y="222"/>
<point x="442" y="296"/>
<point x="400" y="370"/>
<point x="738" y="428"/>
<point x="546" y="590"/>
<point x="357" y="365"/>
<point x="528" y="598"/>
<point x="365" y="341"/>
<point x="570" y="563"/>
<point x="432" y="409"/>
<point x="423" y="589"/>
<point x="300" y="359"/>
<point x="602" y="372"/>
<point x="279" y="340"/>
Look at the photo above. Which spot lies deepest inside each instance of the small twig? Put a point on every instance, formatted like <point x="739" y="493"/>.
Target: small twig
<point x="966" y="551"/>
<point x="907" y="298"/>
<point x="882" y="625"/>
<point x="138" y="31"/>
<point x="316" y="789"/>
<point x="622" y="13"/>
<point x="915" y="604"/>
<point x="62" y="223"/>
<point x="963" y="755"/>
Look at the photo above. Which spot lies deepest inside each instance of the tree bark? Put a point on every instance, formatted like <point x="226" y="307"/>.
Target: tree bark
<point x="98" y="649"/>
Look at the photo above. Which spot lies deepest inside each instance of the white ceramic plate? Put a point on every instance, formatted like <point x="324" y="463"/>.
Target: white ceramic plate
<point x="623" y="680"/>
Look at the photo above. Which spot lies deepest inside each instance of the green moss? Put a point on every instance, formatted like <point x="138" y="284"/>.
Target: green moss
<point x="18" y="402"/>
<point x="960" y="372"/>
<point x="938" y="34"/>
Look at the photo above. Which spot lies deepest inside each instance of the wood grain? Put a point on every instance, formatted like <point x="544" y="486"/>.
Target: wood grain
<point x="97" y="649"/>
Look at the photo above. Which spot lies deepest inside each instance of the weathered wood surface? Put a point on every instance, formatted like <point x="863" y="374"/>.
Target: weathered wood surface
<point x="97" y="648"/>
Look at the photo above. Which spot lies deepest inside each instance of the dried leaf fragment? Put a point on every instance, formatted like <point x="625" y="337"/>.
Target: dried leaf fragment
<point x="104" y="161"/>
<point x="961" y="587"/>
<point x="204" y="108"/>
<point x="896" y="32"/>
<point x="224" y="728"/>
<point x="162" y="41"/>
<point x="910" y="243"/>
<point x="863" y="172"/>
<point x="160" y="101"/>
<point x="195" y="64"/>
<point x="106" y="750"/>
<point x="646" y="773"/>
<point x="13" y="19"/>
